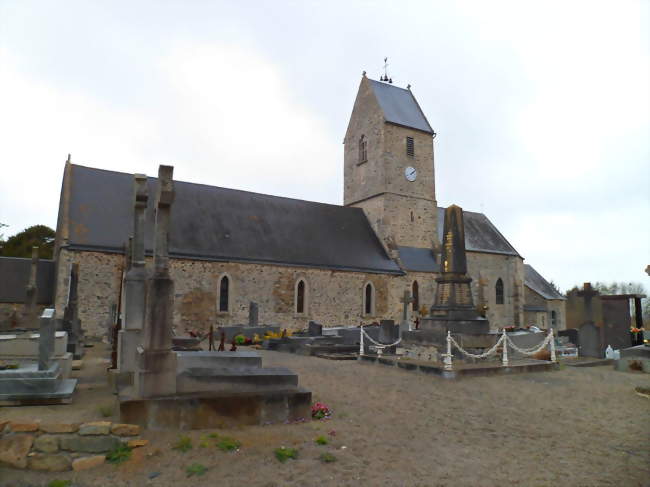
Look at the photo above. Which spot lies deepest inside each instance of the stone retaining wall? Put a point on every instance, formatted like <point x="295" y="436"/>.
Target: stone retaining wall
<point x="57" y="447"/>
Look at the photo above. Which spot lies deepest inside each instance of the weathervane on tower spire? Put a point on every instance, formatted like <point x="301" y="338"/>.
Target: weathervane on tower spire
<point x="385" y="76"/>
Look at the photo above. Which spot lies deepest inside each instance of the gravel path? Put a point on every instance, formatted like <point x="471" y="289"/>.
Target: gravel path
<point x="575" y="426"/>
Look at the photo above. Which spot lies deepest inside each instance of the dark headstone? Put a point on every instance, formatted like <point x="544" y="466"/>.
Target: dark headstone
<point x="253" y="314"/>
<point x="314" y="329"/>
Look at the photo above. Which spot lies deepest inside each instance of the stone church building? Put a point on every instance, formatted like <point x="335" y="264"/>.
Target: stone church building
<point x="300" y="260"/>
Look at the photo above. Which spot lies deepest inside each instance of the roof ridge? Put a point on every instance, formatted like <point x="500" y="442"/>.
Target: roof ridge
<point x="221" y="187"/>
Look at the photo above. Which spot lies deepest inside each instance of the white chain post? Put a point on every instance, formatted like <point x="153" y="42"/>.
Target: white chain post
<point x="379" y="351"/>
<point x="361" y="332"/>
<point x="504" y="357"/>
<point x="447" y="361"/>
<point x="552" y="345"/>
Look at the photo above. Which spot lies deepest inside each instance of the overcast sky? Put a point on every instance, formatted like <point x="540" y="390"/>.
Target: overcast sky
<point x="541" y="108"/>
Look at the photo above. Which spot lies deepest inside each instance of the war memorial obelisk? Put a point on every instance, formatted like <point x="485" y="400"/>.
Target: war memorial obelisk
<point x="453" y="308"/>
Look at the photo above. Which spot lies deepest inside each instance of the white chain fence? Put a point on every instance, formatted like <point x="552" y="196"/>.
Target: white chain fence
<point x="379" y="346"/>
<point x="503" y="341"/>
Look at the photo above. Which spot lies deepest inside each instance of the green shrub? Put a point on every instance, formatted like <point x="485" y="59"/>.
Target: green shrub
<point x="283" y="453"/>
<point x="195" y="469"/>
<point x="184" y="444"/>
<point x="228" y="444"/>
<point x="120" y="454"/>
<point x="321" y="440"/>
<point x="240" y="339"/>
<point x="327" y="458"/>
<point x="105" y="411"/>
<point x="60" y="483"/>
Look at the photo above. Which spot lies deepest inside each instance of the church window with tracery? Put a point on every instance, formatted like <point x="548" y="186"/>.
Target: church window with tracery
<point x="363" y="149"/>
<point x="498" y="289"/>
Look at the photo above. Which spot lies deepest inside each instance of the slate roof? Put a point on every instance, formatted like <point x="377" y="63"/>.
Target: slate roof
<point x="400" y="106"/>
<point x="537" y="283"/>
<point x="220" y="224"/>
<point x="14" y="277"/>
<point x="416" y="259"/>
<point x="480" y="234"/>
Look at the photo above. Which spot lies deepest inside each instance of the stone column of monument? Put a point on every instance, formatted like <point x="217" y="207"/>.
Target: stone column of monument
<point x="30" y="314"/>
<point x="71" y="321"/>
<point x="157" y="366"/>
<point x="134" y="301"/>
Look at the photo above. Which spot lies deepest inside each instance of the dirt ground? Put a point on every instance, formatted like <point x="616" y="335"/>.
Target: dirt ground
<point x="390" y="427"/>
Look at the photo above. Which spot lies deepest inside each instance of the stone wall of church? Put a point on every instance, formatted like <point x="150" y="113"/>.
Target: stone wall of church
<point x="333" y="297"/>
<point x="485" y="269"/>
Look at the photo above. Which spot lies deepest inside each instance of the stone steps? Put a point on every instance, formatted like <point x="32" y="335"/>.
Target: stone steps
<point x="235" y="379"/>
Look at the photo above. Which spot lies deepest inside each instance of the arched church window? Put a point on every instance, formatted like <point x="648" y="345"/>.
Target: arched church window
<point x="369" y="299"/>
<point x="300" y="297"/>
<point x="498" y="289"/>
<point x="416" y="296"/>
<point x="224" y="293"/>
<point x="363" y="149"/>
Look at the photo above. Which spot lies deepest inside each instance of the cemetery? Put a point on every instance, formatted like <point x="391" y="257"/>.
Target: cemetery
<point x="331" y="401"/>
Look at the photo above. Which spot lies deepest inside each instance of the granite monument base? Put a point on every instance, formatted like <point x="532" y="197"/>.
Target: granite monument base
<point x="202" y="411"/>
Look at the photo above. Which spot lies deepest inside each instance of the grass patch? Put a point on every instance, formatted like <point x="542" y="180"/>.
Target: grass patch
<point x="321" y="440"/>
<point x="213" y="435"/>
<point x="105" y="411"/>
<point x="327" y="458"/>
<point x="196" y="469"/>
<point x="283" y="454"/>
<point x="119" y="455"/>
<point x="60" y="483"/>
<point x="183" y="444"/>
<point x="228" y="444"/>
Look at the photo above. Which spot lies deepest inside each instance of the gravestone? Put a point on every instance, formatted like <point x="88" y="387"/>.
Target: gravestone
<point x="156" y="375"/>
<point x="71" y="322"/>
<point x="406" y="301"/>
<point x="590" y="343"/>
<point x="47" y="330"/>
<point x="388" y="331"/>
<point x="130" y="336"/>
<point x="314" y="329"/>
<point x="30" y="313"/>
<point x="253" y="314"/>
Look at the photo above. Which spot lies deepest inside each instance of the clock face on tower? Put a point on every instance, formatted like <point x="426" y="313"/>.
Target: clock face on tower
<point x="410" y="173"/>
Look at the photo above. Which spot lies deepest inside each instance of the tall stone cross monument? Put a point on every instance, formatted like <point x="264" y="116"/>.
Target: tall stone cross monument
<point x="157" y="368"/>
<point x="135" y="289"/>
<point x="30" y="314"/>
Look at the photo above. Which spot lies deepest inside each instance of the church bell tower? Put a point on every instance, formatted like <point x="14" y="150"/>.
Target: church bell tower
<point x="388" y="165"/>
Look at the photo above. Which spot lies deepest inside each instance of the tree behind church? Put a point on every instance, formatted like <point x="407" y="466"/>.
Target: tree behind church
<point x="20" y="245"/>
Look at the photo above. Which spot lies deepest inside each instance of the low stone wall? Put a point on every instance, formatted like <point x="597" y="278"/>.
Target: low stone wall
<point x="57" y="447"/>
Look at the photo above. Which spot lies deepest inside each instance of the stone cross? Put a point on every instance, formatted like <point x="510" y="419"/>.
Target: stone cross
<point x="253" y="314"/>
<point x="46" y="338"/>
<point x="31" y="293"/>
<point x="135" y="286"/>
<point x="588" y="293"/>
<point x="163" y="220"/>
<point x="157" y="367"/>
<point x="406" y="300"/>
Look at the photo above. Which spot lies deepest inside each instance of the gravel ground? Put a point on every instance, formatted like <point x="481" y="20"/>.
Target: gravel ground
<point x="390" y="427"/>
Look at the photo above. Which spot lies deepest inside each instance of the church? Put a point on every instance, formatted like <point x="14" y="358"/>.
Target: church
<point x="300" y="260"/>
